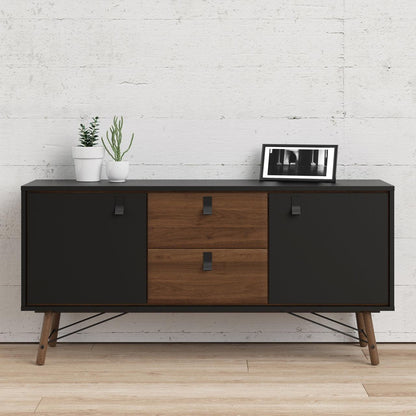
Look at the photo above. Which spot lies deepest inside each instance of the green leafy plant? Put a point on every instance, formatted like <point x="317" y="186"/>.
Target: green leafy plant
<point x="89" y="136"/>
<point x="114" y="142"/>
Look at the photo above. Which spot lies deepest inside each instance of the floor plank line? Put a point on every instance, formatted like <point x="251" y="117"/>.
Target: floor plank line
<point x="37" y="405"/>
<point x="365" y="390"/>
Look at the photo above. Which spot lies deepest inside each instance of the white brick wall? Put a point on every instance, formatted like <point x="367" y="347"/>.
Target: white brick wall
<point x="204" y="83"/>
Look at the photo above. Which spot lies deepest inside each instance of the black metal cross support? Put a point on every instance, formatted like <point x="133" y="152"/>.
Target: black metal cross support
<point x="53" y="339"/>
<point x="331" y="328"/>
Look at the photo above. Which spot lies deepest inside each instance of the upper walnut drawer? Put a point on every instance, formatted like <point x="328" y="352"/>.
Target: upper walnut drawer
<point x="229" y="220"/>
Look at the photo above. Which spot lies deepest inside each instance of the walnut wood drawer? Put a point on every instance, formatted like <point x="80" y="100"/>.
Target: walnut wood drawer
<point x="238" y="220"/>
<point x="238" y="277"/>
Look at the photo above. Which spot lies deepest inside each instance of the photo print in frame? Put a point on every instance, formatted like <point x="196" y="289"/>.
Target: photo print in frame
<point x="299" y="162"/>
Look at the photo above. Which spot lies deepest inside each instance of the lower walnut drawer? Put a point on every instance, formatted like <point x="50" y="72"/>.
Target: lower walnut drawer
<point x="238" y="277"/>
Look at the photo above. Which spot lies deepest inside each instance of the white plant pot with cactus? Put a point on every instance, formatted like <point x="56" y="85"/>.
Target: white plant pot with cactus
<point x="88" y="158"/>
<point x="117" y="169"/>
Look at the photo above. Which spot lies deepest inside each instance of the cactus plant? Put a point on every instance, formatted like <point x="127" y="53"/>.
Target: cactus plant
<point x="114" y="143"/>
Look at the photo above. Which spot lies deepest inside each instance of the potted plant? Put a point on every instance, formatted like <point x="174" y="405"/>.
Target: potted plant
<point x="117" y="169"/>
<point x="88" y="157"/>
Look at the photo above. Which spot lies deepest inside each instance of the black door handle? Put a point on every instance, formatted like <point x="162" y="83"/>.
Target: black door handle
<point x="207" y="261"/>
<point x="207" y="205"/>
<point x="119" y="207"/>
<point x="296" y="209"/>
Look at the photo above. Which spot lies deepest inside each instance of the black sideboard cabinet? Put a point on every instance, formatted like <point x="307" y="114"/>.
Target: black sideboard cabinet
<point x="207" y="246"/>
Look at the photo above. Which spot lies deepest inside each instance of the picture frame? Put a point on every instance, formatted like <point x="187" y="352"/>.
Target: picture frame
<point x="299" y="162"/>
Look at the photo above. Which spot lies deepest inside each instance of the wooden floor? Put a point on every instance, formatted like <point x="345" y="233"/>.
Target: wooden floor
<point x="207" y="379"/>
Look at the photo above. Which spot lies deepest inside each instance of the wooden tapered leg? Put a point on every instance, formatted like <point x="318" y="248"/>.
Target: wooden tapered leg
<point x="44" y="337"/>
<point x="55" y="327"/>
<point x="369" y="330"/>
<point x="361" y="329"/>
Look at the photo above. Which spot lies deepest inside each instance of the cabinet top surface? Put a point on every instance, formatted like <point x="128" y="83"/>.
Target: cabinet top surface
<point x="211" y="184"/>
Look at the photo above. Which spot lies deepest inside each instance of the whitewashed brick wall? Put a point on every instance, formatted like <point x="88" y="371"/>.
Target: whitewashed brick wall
<point x="204" y="83"/>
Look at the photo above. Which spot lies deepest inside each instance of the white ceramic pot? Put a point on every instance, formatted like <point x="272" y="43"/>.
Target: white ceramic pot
<point x="88" y="162"/>
<point x="117" y="171"/>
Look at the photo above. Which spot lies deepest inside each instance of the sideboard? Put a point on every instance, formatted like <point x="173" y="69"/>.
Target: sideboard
<point x="207" y="246"/>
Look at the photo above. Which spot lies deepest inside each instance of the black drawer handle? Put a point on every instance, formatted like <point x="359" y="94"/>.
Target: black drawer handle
<point x="296" y="209"/>
<point x="119" y="208"/>
<point x="207" y="261"/>
<point x="207" y="205"/>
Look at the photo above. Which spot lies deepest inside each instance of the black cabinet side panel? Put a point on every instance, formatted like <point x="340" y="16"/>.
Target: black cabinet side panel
<point x="336" y="252"/>
<point x="80" y="253"/>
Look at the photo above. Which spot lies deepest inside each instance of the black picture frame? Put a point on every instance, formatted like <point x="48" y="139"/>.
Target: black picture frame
<point x="304" y="167"/>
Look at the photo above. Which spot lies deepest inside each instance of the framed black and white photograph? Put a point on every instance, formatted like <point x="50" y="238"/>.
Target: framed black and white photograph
<point x="298" y="162"/>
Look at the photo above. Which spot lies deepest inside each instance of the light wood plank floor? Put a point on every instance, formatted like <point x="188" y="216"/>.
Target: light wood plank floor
<point x="207" y="379"/>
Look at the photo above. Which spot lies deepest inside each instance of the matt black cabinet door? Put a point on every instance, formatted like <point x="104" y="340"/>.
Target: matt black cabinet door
<point x="86" y="248"/>
<point x="329" y="248"/>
